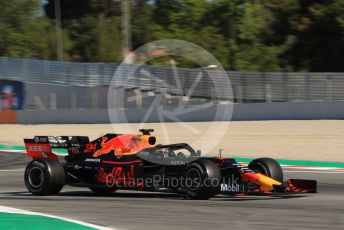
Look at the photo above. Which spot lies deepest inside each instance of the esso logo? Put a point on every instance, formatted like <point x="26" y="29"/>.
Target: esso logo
<point x="36" y="148"/>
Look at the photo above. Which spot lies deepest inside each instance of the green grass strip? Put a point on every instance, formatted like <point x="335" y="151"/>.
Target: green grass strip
<point x="11" y="147"/>
<point x="300" y="163"/>
<point x="13" y="221"/>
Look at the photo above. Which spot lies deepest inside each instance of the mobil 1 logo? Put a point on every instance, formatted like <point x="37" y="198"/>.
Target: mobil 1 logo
<point x="232" y="185"/>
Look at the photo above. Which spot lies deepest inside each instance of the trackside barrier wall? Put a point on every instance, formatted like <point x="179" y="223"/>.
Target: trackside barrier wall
<point x="70" y="92"/>
<point x="247" y="86"/>
<point x="248" y="111"/>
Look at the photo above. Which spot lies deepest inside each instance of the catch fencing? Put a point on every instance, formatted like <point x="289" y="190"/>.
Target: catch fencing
<point x="247" y="86"/>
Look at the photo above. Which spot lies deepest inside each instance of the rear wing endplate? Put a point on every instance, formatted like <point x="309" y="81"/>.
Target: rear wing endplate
<point x="41" y="146"/>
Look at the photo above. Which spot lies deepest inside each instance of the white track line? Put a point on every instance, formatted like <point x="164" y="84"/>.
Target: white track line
<point x="312" y="171"/>
<point x="25" y="212"/>
<point x="303" y="169"/>
<point x="310" y="167"/>
<point x="12" y="170"/>
<point x="12" y="151"/>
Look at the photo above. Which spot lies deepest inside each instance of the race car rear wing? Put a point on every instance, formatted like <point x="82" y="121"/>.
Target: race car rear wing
<point x="41" y="146"/>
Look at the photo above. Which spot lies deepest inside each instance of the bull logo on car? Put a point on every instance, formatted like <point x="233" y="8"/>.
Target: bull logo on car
<point x="122" y="145"/>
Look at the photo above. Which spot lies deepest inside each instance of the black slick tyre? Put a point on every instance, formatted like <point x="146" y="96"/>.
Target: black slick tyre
<point x="44" y="177"/>
<point x="268" y="167"/>
<point x="202" y="179"/>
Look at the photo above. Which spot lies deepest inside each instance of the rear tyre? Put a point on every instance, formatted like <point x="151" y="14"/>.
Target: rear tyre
<point x="102" y="190"/>
<point x="202" y="179"/>
<point x="44" y="177"/>
<point x="268" y="167"/>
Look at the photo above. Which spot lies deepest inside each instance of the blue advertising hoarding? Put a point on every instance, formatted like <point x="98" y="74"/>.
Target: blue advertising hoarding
<point x="12" y="95"/>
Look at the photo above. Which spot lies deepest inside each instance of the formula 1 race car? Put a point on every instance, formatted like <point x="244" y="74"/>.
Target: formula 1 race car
<point x="135" y="161"/>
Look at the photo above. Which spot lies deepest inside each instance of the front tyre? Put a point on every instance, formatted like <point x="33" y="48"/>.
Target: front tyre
<point x="44" y="177"/>
<point x="202" y="179"/>
<point x="269" y="167"/>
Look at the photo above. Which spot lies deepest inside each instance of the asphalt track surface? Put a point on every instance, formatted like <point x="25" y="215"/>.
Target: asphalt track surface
<point x="139" y="210"/>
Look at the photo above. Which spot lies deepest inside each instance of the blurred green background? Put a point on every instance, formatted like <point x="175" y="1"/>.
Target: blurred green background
<point x="245" y="35"/>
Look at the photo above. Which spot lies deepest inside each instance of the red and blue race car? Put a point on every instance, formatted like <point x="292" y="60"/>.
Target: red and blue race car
<point x="136" y="162"/>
